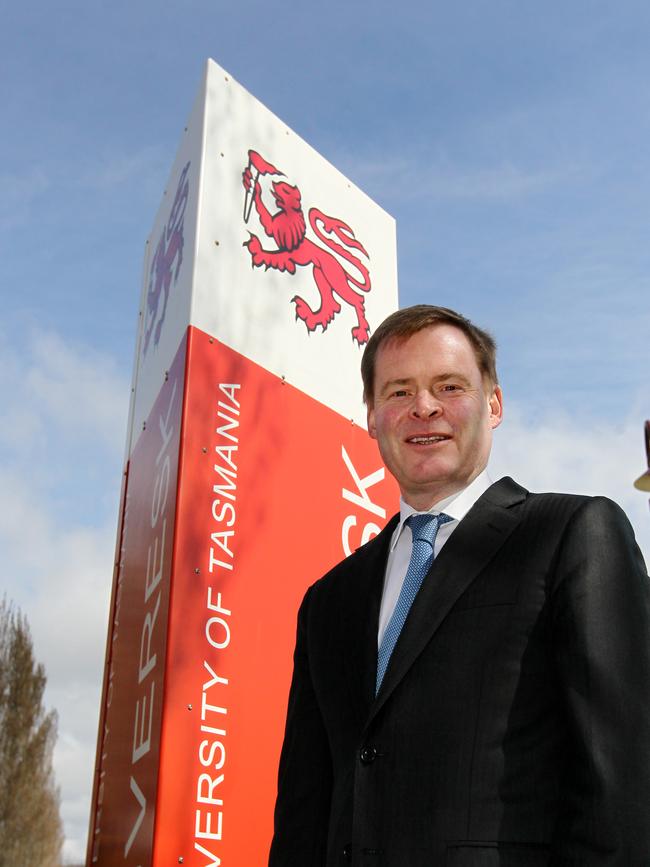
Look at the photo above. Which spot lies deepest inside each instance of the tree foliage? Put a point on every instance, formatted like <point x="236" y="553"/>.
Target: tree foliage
<point x="30" y="824"/>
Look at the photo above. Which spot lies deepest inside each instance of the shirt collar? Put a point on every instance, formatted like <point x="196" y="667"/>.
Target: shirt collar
<point x="456" y="506"/>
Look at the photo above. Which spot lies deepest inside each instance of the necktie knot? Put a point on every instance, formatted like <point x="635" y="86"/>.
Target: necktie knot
<point x="424" y="528"/>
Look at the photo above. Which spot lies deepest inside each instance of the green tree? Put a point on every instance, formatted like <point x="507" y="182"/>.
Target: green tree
<point x="30" y="824"/>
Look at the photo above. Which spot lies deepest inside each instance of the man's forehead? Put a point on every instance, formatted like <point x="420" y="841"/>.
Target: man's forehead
<point x="395" y="341"/>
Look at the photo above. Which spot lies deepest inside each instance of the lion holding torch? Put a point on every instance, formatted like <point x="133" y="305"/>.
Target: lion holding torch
<point x="288" y="229"/>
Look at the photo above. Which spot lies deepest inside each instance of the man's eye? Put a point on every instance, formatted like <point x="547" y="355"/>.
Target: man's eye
<point x="400" y="392"/>
<point x="450" y="387"/>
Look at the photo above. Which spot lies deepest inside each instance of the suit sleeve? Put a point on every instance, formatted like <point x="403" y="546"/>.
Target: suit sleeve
<point x="601" y="640"/>
<point x="305" y="772"/>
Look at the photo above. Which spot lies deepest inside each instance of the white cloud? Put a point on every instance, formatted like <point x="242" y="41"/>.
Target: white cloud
<point x="67" y="574"/>
<point x="66" y="407"/>
<point x="17" y="194"/>
<point x="438" y="176"/>
<point x="110" y="170"/>
<point x="569" y="455"/>
<point x="77" y="389"/>
<point x="442" y="179"/>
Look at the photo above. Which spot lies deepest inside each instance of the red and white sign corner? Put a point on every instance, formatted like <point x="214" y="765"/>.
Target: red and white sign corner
<point x="250" y="474"/>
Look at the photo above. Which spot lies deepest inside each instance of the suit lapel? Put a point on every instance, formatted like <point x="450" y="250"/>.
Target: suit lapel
<point x="473" y="544"/>
<point x="361" y="618"/>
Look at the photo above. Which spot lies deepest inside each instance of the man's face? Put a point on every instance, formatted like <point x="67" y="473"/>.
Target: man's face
<point x="432" y="413"/>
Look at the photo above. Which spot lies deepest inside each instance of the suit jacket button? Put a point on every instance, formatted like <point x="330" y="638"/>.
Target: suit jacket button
<point x="367" y="755"/>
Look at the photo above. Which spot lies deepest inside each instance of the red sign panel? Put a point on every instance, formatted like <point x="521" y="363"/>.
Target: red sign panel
<point x="122" y="824"/>
<point x="273" y="488"/>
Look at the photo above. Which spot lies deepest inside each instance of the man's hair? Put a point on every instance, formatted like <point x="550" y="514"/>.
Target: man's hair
<point x="406" y="322"/>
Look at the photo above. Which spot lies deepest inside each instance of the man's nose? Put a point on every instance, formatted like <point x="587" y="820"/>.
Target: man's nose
<point x="425" y="405"/>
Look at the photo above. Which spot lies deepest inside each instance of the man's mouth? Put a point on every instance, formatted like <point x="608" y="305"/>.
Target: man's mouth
<point x="427" y="440"/>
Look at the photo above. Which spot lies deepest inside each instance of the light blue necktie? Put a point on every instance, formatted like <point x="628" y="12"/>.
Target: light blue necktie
<point x="424" y="529"/>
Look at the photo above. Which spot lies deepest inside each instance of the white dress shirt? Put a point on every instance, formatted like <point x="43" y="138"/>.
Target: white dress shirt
<point x="456" y="506"/>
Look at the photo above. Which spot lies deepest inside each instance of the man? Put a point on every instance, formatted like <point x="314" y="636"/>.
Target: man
<point x="480" y="695"/>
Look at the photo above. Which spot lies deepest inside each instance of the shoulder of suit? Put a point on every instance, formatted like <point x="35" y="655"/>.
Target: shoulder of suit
<point x="548" y="505"/>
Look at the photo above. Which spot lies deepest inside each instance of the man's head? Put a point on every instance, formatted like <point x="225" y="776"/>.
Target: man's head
<point x="430" y="386"/>
<point x="408" y="321"/>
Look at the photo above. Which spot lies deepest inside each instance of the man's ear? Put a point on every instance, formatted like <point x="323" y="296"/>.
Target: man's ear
<point x="372" y="430"/>
<point x="495" y="407"/>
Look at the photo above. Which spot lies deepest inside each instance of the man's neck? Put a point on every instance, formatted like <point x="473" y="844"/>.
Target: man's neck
<point x="430" y="501"/>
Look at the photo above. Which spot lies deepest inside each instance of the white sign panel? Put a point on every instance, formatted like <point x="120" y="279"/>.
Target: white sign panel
<point x="295" y="264"/>
<point x="264" y="245"/>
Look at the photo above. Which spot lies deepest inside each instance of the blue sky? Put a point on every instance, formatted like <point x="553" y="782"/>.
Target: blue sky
<point x="508" y="139"/>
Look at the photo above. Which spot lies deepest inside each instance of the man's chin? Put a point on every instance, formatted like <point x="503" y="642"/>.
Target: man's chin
<point x="426" y="494"/>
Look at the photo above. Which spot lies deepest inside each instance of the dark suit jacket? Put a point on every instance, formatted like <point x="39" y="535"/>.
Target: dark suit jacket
<point x="512" y="727"/>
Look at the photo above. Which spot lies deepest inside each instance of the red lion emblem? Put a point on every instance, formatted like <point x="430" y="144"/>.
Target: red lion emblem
<point x="288" y="229"/>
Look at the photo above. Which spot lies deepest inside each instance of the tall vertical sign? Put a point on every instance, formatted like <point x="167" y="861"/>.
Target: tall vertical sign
<point x="248" y="473"/>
